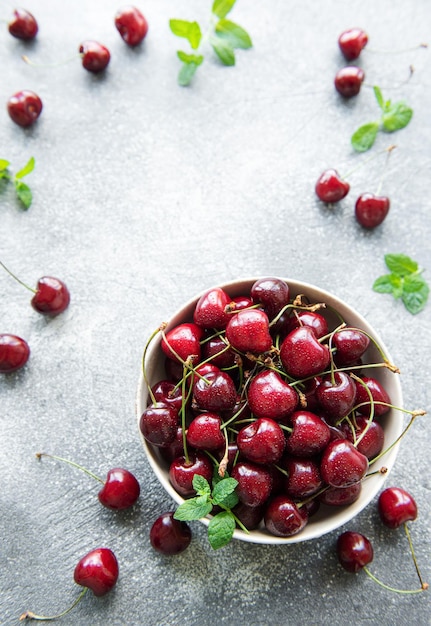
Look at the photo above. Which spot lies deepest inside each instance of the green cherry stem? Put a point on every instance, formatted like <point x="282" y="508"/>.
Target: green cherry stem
<point x="370" y="158"/>
<point x="45" y="618"/>
<point x="424" y="585"/>
<point x="385" y="169"/>
<point x="414" y="415"/>
<point x="16" y="278"/>
<point x="144" y="357"/>
<point x="382" y="584"/>
<point x="39" y="455"/>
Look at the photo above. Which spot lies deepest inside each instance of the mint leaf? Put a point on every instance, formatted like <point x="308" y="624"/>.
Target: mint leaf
<point x="201" y="485"/>
<point x="24" y="193"/>
<point x="383" y="284"/>
<point x="400" y="264"/>
<point x="364" y="137"/>
<point x="223" y="489"/>
<point x="28" y="167"/>
<point x="4" y="165"/>
<point x="193" y="509"/>
<point x="223" y="50"/>
<point x="221" y="529"/>
<point x="379" y="97"/>
<point x="197" y="59"/>
<point x="234" y="34"/>
<point x="230" y="501"/>
<point x="189" y="30"/>
<point x="415" y="295"/>
<point x="186" y="73"/>
<point x="396" y="117"/>
<point x="222" y="7"/>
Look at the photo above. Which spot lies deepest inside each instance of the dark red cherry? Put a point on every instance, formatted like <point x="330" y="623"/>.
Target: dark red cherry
<point x="310" y="434"/>
<point x="120" y="491"/>
<point x="98" y="570"/>
<point x="330" y="187"/>
<point x="336" y="394"/>
<point x="271" y="293"/>
<point x="348" y="81"/>
<point x="261" y="441"/>
<point x="250" y="516"/>
<point x="24" y="107"/>
<point x="372" y="442"/>
<point x="95" y="56"/>
<point x="283" y="518"/>
<point x="396" y="507"/>
<point x="240" y="302"/>
<point x="270" y="396"/>
<point x="131" y="25"/>
<point x="181" y="472"/>
<point x="174" y="449"/>
<point x="254" y="483"/>
<point x="371" y="210"/>
<point x="350" y="345"/>
<point x="352" y="42"/>
<point x="303" y="478"/>
<point x="52" y="297"/>
<point x="14" y="353"/>
<point x="248" y="331"/>
<point x="215" y="392"/>
<point x="182" y="342"/>
<point x="354" y="551"/>
<point x="169" y="535"/>
<point x="204" y="432"/>
<point x="314" y="320"/>
<point x="215" y="350"/>
<point x="342" y="464"/>
<point x="302" y="355"/>
<point x="210" y="310"/>
<point x="168" y="392"/>
<point x="341" y="496"/>
<point x="159" y="423"/>
<point x="23" y="25"/>
<point x="378" y="393"/>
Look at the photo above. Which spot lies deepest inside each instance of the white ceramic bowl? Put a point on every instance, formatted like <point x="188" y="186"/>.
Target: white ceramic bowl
<point x="327" y="518"/>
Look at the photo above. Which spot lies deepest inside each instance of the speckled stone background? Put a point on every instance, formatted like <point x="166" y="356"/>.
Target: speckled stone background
<point x="146" y="193"/>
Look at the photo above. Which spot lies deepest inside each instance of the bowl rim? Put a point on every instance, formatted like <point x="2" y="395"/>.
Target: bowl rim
<point x="316" y="527"/>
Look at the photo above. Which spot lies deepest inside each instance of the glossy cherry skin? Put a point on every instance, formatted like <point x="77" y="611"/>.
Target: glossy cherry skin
<point x="310" y="434"/>
<point x="98" y="570"/>
<point x="95" y="56"/>
<point x="204" y="432"/>
<point x="352" y="42"/>
<point x="254" y="483"/>
<point x="396" y="507"/>
<point x="23" y="25"/>
<point x="159" y="423"/>
<point x="312" y="319"/>
<point x="14" y="353"/>
<point x="304" y="478"/>
<point x="120" y="491"/>
<point x="378" y="393"/>
<point x="24" y="107"/>
<point x="350" y="344"/>
<point x="354" y="551"/>
<point x="330" y="187"/>
<point x="372" y="442"/>
<point x="183" y="341"/>
<point x="181" y="472"/>
<point x="210" y="310"/>
<point x="170" y="536"/>
<point x="283" y="518"/>
<point x="52" y="297"/>
<point x="248" y="331"/>
<point x="270" y="396"/>
<point x="261" y="441"/>
<point x="215" y="349"/>
<point x="341" y="496"/>
<point x="302" y="355"/>
<point x="168" y="392"/>
<point x="215" y="392"/>
<point x="371" y="210"/>
<point x="272" y="293"/>
<point x="348" y="81"/>
<point x="336" y="394"/>
<point x="250" y="516"/>
<point x="342" y="464"/>
<point x="131" y="25"/>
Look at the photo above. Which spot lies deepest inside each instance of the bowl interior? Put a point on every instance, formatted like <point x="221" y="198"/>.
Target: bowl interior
<point x="327" y="518"/>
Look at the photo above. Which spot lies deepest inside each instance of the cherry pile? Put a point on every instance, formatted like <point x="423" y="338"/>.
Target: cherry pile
<point x="260" y="388"/>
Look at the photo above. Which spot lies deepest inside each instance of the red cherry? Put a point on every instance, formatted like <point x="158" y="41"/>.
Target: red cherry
<point x="210" y="310"/>
<point x="169" y="535"/>
<point x="348" y="81"/>
<point x="352" y="42"/>
<point x="158" y="423"/>
<point x="14" y="353"/>
<point x="371" y="210"/>
<point x="342" y="464"/>
<point x="378" y="393"/>
<point x="272" y="293"/>
<point x="330" y="187"/>
<point x="97" y="570"/>
<point x="396" y="507"/>
<point x="302" y="355"/>
<point x="336" y="394"/>
<point x="372" y="442"/>
<point x="254" y="483"/>
<point x="23" y="25"/>
<point x="283" y="518"/>
<point x="350" y="345"/>
<point x="120" y="491"/>
<point x="215" y="392"/>
<point x="312" y="319"/>
<point x="131" y="25"/>
<point x="310" y="434"/>
<point x="24" y="107"/>
<point x="303" y="478"/>
<point x="182" y="470"/>
<point x="341" y="496"/>
<point x="248" y="331"/>
<point x="262" y="441"/>
<point x="354" y="551"/>
<point x="270" y="396"/>
<point x="204" y="432"/>
<point x="183" y="340"/>
<point x="215" y="350"/>
<point x="52" y="297"/>
<point x="169" y="393"/>
<point x="95" y="56"/>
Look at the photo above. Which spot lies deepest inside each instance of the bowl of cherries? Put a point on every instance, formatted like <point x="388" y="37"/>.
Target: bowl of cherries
<point x="270" y="410"/>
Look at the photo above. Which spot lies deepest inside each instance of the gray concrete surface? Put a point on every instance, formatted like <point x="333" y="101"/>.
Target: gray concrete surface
<point x="146" y="193"/>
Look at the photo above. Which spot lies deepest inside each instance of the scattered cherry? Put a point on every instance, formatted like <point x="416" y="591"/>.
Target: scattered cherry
<point x="23" y="25"/>
<point x="95" y="56"/>
<point x="354" y="551"/>
<point x="330" y="187"/>
<point x="24" y="107"/>
<point x="131" y="25"/>
<point x="348" y="81"/>
<point x="14" y="353"/>
<point x="371" y="210"/>
<point x="352" y="42"/>
<point x="51" y="297"/>
<point x="396" y="507"/>
<point x="169" y="535"/>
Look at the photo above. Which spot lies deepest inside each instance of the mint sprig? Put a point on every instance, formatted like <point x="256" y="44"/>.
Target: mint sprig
<point x="222" y="494"/>
<point x="22" y="190"/>
<point x="404" y="282"/>
<point x="394" y="116"/>
<point x="223" y="35"/>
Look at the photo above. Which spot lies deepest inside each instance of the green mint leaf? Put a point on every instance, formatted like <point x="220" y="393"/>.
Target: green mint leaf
<point x="5" y="174"/>
<point x="396" y="117"/>
<point x="400" y="264"/>
<point x="230" y="501"/>
<point x="197" y="59"/>
<point x="223" y="489"/>
<point x="193" y="509"/>
<point x="223" y="50"/>
<point x="28" y="167"/>
<point x="364" y="137"/>
<point x="389" y="283"/>
<point x="234" y="34"/>
<point x="415" y="294"/>
<point x="186" y="73"/>
<point x="189" y="30"/>
<point x="24" y="193"/>
<point x="222" y="7"/>
<point x="221" y="529"/>
<point x="379" y="97"/>
<point x="4" y="165"/>
<point x="201" y="485"/>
